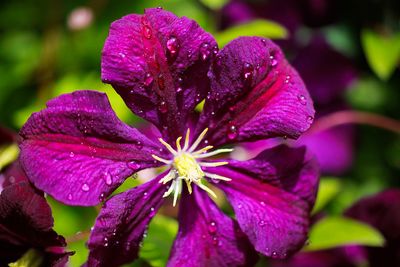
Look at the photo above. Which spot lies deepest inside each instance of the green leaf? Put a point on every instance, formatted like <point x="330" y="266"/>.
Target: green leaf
<point x="158" y="243"/>
<point x="8" y="154"/>
<point x="332" y="232"/>
<point x="214" y="4"/>
<point x="259" y="27"/>
<point x="328" y="189"/>
<point x="382" y="52"/>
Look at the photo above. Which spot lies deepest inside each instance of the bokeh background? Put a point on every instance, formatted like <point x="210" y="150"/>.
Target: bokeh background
<point x="348" y="53"/>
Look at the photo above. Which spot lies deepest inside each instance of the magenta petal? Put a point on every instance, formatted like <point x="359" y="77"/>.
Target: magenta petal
<point x="78" y="151"/>
<point x="208" y="237"/>
<point x="122" y="223"/>
<point x="272" y="196"/>
<point x="158" y="63"/>
<point x="255" y="94"/>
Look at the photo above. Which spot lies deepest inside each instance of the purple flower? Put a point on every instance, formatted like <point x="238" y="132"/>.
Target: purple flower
<point x="26" y="222"/>
<point x="163" y="66"/>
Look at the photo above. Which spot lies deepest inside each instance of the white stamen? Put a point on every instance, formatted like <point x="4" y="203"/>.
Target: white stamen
<point x="161" y="159"/>
<point x="213" y="153"/>
<point x="168" y="146"/>
<point x="178" y="144"/>
<point x="198" y="140"/>
<point x="217" y="176"/>
<point x="213" y="164"/>
<point x="185" y="147"/>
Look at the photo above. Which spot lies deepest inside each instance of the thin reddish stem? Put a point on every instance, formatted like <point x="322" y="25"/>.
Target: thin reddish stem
<point x="359" y="117"/>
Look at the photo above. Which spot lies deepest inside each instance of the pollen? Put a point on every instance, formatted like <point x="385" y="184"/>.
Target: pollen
<point x="186" y="165"/>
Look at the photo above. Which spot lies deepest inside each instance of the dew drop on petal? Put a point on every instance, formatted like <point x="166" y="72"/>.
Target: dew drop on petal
<point x="173" y="45"/>
<point x="205" y="51"/>
<point x="162" y="107"/>
<point x="102" y="197"/>
<point x="105" y="241"/>
<point x="232" y="132"/>
<point x="109" y="180"/>
<point x="147" y="32"/>
<point x="262" y="203"/>
<point x="310" y="119"/>
<point x="212" y="227"/>
<point x="248" y="71"/>
<point x="71" y="154"/>
<point x="145" y="195"/>
<point x="274" y="254"/>
<point x="69" y="197"/>
<point x="85" y="187"/>
<point x="152" y="212"/>
<point x="261" y="223"/>
<point x="139" y="145"/>
<point x="161" y="82"/>
<point x="179" y="89"/>
<point x="133" y="165"/>
<point x="302" y="99"/>
<point x="148" y="79"/>
<point x="273" y="61"/>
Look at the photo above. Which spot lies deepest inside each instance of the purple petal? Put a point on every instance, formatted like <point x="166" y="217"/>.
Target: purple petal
<point x="381" y="211"/>
<point x="78" y="151"/>
<point x="158" y="63"/>
<point x="272" y="196"/>
<point x="326" y="82"/>
<point x="336" y="158"/>
<point x="25" y="222"/>
<point x="122" y="224"/>
<point x="207" y="237"/>
<point x="255" y="94"/>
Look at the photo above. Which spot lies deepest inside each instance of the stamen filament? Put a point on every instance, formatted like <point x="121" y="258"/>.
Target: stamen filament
<point x="208" y="190"/>
<point x="198" y="140"/>
<point x="168" y="146"/>
<point x="170" y="176"/>
<point x="213" y="164"/>
<point x="178" y="189"/>
<point x="178" y="144"/>
<point x="161" y="159"/>
<point x="170" y="189"/>
<point x="217" y="176"/>
<point x="185" y="147"/>
<point x="213" y="153"/>
<point x="200" y="151"/>
<point x="189" y="186"/>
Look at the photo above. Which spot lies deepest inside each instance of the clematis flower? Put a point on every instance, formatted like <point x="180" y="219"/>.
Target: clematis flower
<point x="26" y="234"/>
<point x="163" y="66"/>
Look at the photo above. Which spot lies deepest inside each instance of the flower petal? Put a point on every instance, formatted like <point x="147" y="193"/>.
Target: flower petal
<point x="272" y="196"/>
<point x="158" y="63"/>
<point x="255" y="94"/>
<point x="208" y="237"/>
<point x="122" y="224"/>
<point x="25" y="222"/>
<point x="78" y="151"/>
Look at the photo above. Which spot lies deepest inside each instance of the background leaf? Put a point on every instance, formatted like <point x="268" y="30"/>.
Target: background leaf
<point x="382" y="52"/>
<point x="258" y="27"/>
<point x="331" y="232"/>
<point x="328" y="189"/>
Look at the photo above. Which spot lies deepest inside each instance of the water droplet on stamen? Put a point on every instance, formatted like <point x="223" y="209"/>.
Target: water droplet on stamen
<point x="85" y="187"/>
<point x="302" y="99"/>
<point x="146" y="31"/>
<point x="248" y="71"/>
<point x="163" y="107"/>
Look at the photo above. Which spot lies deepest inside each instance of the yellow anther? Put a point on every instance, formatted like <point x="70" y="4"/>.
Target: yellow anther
<point x="178" y="144"/>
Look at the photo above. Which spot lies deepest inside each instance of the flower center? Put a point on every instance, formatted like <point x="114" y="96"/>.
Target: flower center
<point x="186" y="165"/>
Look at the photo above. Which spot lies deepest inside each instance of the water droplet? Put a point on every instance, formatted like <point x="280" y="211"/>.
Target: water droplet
<point x="262" y="203"/>
<point x="215" y="50"/>
<point x="285" y="137"/>
<point x="146" y="31"/>
<point x="232" y="131"/>
<point x="109" y="180"/>
<point x="163" y="107"/>
<point x="205" y="51"/>
<point x="287" y="79"/>
<point x="173" y="45"/>
<point x="133" y="165"/>
<point x="161" y="82"/>
<point x="85" y="187"/>
<point x="302" y="99"/>
<point x="215" y="241"/>
<point x="145" y="195"/>
<point x="240" y="206"/>
<point x="274" y="254"/>
<point x="102" y="197"/>
<point x="264" y="41"/>
<point x="212" y="227"/>
<point x="310" y="119"/>
<point x="248" y="71"/>
<point x="139" y="145"/>
<point x="273" y="61"/>
<point x="128" y="246"/>
<point x="148" y="79"/>
<point x="152" y="212"/>
<point x="11" y="179"/>
<point x="179" y="89"/>
<point x="105" y="241"/>
<point x="159" y="8"/>
<point x="261" y="223"/>
<point x="71" y="154"/>
<point x="69" y="196"/>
